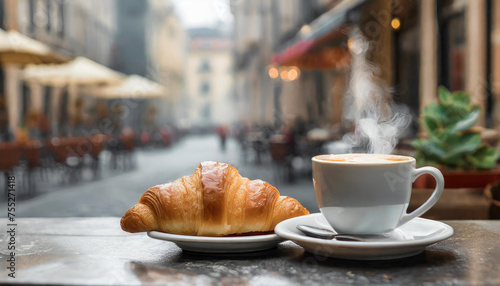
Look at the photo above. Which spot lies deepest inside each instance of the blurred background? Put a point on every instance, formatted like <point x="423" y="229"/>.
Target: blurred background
<point x="101" y="99"/>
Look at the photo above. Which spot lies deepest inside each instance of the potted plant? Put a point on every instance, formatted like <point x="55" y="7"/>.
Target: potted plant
<point x="454" y="144"/>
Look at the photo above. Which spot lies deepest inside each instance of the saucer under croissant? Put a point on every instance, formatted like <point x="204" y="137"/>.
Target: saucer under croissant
<point x="214" y="206"/>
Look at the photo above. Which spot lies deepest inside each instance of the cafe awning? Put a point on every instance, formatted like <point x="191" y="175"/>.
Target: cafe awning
<point x="79" y="71"/>
<point x="133" y="86"/>
<point x="316" y="45"/>
<point x="19" y="49"/>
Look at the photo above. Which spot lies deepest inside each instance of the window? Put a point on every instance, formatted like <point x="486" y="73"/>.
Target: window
<point x="453" y="46"/>
<point x="48" y="15"/>
<point x="406" y="60"/>
<point x="205" y="88"/>
<point x="55" y="20"/>
<point x="60" y="26"/>
<point x="41" y="15"/>
<point x="31" y="7"/>
<point x="205" y="66"/>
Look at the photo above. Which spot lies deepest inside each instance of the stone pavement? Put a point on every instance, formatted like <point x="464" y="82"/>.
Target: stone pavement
<point x="116" y="192"/>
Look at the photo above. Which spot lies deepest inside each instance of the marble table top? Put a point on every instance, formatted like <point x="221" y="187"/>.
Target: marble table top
<point x="95" y="251"/>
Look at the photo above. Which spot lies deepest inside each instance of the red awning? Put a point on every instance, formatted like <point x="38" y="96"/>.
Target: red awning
<point x="292" y="52"/>
<point x="317" y="54"/>
<point x="323" y="43"/>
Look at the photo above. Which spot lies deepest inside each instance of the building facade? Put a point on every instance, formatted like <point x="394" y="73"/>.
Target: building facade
<point x="166" y="53"/>
<point x="273" y="100"/>
<point x="417" y="45"/>
<point x="130" y="53"/>
<point x="70" y="28"/>
<point x="80" y="27"/>
<point x="209" y="97"/>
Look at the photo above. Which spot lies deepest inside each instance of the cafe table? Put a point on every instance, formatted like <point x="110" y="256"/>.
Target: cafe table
<point x="95" y="251"/>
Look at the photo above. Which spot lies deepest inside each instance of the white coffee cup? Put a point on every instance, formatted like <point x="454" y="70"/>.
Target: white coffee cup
<point x="368" y="193"/>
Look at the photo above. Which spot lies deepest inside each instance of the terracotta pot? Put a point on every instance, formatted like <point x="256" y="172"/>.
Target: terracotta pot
<point x="492" y="194"/>
<point x="460" y="179"/>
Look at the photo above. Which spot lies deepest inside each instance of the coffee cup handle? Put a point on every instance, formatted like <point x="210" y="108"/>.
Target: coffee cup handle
<point x="434" y="197"/>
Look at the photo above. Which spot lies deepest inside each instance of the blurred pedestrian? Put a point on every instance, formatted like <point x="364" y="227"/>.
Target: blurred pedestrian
<point x="289" y="134"/>
<point x="166" y="135"/>
<point x="222" y="132"/>
<point x="145" y="138"/>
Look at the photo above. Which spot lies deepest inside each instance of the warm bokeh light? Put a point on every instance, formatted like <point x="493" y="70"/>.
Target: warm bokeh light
<point x="284" y="73"/>
<point x="273" y="72"/>
<point x="293" y="73"/>
<point x="395" y="23"/>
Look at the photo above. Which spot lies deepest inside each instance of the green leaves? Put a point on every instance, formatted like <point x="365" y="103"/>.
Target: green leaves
<point x="451" y="142"/>
<point x="467" y="122"/>
<point x="463" y="146"/>
<point x="458" y="99"/>
<point x="461" y="98"/>
<point x="484" y="157"/>
<point x="437" y="112"/>
<point x="444" y="96"/>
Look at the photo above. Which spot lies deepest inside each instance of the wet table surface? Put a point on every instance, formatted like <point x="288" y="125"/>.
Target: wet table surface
<point x="96" y="251"/>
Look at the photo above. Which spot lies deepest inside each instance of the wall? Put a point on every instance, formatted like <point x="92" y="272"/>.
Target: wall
<point x="166" y="51"/>
<point x="72" y="28"/>
<point x="130" y="40"/>
<point x="209" y="78"/>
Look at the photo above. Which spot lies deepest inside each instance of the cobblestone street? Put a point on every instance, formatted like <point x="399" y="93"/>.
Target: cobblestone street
<point x="116" y="192"/>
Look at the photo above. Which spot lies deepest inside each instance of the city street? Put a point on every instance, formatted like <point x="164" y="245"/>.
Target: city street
<point x="116" y="192"/>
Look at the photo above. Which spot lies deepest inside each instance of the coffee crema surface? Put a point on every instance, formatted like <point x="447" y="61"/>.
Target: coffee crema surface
<point x="364" y="158"/>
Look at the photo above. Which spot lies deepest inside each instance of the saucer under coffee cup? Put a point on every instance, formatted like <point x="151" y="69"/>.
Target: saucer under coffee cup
<point x="369" y="193"/>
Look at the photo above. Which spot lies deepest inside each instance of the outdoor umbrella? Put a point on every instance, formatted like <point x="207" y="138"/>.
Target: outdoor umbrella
<point x="19" y="49"/>
<point x="133" y="86"/>
<point x="80" y="71"/>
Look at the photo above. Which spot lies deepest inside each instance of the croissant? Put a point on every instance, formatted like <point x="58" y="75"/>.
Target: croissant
<point x="214" y="201"/>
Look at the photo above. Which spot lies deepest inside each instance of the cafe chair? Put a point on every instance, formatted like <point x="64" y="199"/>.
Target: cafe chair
<point x="10" y="154"/>
<point x="96" y="147"/>
<point x="31" y="151"/>
<point x="282" y="161"/>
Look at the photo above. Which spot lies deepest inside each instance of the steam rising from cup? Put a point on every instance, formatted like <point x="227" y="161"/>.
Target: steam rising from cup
<point x="379" y="122"/>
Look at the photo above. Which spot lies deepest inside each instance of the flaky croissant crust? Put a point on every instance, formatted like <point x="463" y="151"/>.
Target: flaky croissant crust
<point x="213" y="201"/>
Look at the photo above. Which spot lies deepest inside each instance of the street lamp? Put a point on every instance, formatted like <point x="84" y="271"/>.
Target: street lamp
<point x="395" y="23"/>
